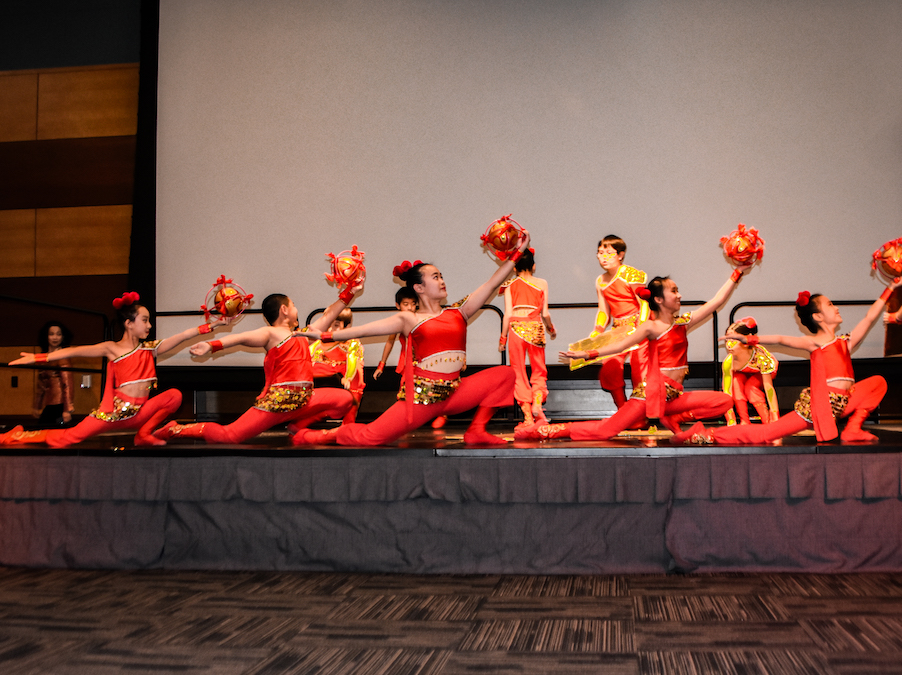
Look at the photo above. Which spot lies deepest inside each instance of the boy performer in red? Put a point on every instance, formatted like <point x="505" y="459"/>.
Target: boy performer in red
<point x="131" y="374"/>
<point x="526" y="319"/>
<point x="619" y="305"/>
<point x="405" y="301"/>
<point x="833" y="394"/>
<point x="341" y="359"/>
<point x="288" y="394"/>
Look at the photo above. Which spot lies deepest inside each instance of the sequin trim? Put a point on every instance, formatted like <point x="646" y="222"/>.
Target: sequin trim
<point x="427" y="391"/>
<point x="122" y="410"/>
<point x="284" y="399"/>
<point x="532" y="332"/>
<point x="838" y="404"/>
<point x="631" y="320"/>
<point x="672" y="392"/>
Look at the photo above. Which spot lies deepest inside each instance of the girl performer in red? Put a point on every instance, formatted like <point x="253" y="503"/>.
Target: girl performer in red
<point x="661" y="395"/>
<point x="131" y="374"/>
<point x="526" y="319"/>
<point x="833" y="392"/>
<point x="436" y="353"/>
<point x="748" y="375"/>
<point x="288" y="394"/>
<point x="619" y="305"/>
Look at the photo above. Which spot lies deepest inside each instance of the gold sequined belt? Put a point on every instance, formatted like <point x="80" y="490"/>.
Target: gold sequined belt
<point x="631" y="320"/>
<point x="532" y="332"/>
<point x="122" y="410"/>
<point x="673" y="392"/>
<point x="284" y="399"/>
<point x="428" y="390"/>
<point x="838" y="404"/>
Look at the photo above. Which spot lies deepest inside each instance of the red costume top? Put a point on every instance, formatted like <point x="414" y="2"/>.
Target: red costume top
<point x="137" y="366"/>
<point x="619" y="294"/>
<point x="673" y="345"/>
<point x="666" y="352"/>
<point x="289" y="376"/>
<point x="831" y="362"/>
<point x="525" y="295"/>
<point x="444" y="336"/>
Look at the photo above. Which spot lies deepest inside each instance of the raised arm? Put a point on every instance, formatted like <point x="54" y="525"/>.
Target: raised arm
<point x="874" y="312"/>
<point x="719" y="299"/>
<point x="480" y="296"/>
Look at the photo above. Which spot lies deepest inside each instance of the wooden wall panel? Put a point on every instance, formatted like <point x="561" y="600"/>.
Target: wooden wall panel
<point x="88" y="103"/>
<point x="16" y="400"/>
<point x="18" y="107"/>
<point x="17" y="232"/>
<point x="83" y="240"/>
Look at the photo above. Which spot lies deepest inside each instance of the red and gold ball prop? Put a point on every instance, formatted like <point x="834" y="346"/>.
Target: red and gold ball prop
<point x="348" y="269"/>
<point x="225" y="298"/>
<point x="888" y="260"/>
<point x="502" y="237"/>
<point x="742" y="246"/>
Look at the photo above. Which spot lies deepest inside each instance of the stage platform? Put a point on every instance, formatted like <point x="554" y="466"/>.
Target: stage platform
<point x="429" y="504"/>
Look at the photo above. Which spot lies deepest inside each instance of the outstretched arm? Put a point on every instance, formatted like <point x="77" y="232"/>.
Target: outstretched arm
<point x="802" y="342"/>
<point x="644" y="331"/>
<point x="252" y="338"/>
<point x="101" y="350"/>
<point x="173" y="341"/>
<point x="396" y="323"/>
<point x="874" y="312"/>
<point x="719" y="298"/>
<point x="480" y="296"/>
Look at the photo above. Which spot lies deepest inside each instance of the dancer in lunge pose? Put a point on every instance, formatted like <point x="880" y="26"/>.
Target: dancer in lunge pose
<point x="660" y="395"/>
<point x="619" y="305"/>
<point x="748" y="376"/>
<point x="131" y="374"/>
<point x="526" y="319"/>
<point x="833" y="393"/>
<point x="343" y="360"/>
<point x="436" y="353"/>
<point x="288" y="394"/>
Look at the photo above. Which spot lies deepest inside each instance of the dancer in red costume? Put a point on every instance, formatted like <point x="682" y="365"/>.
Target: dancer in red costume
<point x="131" y="374"/>
<point x="526" y="318"/>
<point x="833" y="392"/>
<point x="660" y="395"/>
<point x="619" y="305"/>
<point x="436" y="353"/>
<point x="288" y="394"/>
<point x="748" y="376"/>
<point x="343" y="360"/>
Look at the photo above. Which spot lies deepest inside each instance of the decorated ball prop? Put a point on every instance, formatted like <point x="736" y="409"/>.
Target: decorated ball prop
<point x="502" y="237"/>
<point x="225" y="298"/>
<point x="742" y="246"/>
<point x="888" y="260"/>
<point x="348" y="269"/>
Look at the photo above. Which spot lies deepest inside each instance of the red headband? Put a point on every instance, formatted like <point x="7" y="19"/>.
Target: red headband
<point x="128" y="298"/>
<point x="404" y="267"/>
<point x="803" y="299"/>
<point x="644" y="293"/>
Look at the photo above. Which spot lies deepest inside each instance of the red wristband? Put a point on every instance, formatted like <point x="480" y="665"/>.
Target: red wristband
<point x="381" y="366"/>
<point x="752" y="340"/>
<point x="502" y="341"/>
<point x="516" y="256"/>
<point x="592" y="354"/>
<point x="204" y="328"/>
<point x="40" y="358"/>
<point x="216" y="346"/>
<point x="346" y="295"/>
<point x="736" y="275"/>
<point x="326" y="336"/>
<point x="886" y="293"/>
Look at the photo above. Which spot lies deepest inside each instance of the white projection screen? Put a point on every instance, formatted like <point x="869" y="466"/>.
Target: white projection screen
<point x="288" y="129"/>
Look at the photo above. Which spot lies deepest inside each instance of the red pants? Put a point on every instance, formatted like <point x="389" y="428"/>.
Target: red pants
<point x="611" y="374"/>
<point x="526" y="388"/>
<point x="702" y="405"/>
<point x="865" y="395"/>
<point x="491" y="388"/>
<point x="323" y="403"/>
<point x="151" y="413"/>
<point x="749" y="388"/>
<point x="322" y="370"/>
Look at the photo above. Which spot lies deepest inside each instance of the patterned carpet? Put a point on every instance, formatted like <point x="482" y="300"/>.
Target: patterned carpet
<point x="71" y="622"/>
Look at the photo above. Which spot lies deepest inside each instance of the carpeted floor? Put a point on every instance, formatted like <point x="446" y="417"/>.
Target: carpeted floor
<point x="102" y="622"/>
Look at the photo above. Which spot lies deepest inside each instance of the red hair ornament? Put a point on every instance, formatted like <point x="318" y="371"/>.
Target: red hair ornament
<point x="644" y="293"/>
<point x="128" y="298"/>
<point x="225" y="298"/>
<point x="743" y="247"/>
<point x="887" y="260"/>
<point x="502" y="237"/>
<point x="404" y="268"/>
<point x="803" y="299"/>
